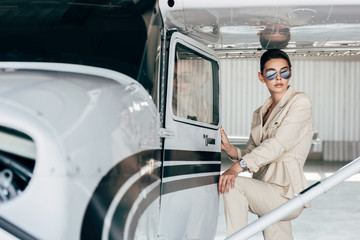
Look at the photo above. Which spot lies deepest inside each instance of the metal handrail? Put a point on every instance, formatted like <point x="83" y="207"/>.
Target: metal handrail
<point x="300" y="200"/>
<point x="242" y="140"/>
<point x="238" y="140"/>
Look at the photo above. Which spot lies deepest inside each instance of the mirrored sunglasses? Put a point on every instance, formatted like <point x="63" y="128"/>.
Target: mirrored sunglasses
<point x="285" y="74"/>
<point x="282" y="31"/>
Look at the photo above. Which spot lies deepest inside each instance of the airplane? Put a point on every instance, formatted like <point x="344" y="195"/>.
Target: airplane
<point x="111" y="110"/>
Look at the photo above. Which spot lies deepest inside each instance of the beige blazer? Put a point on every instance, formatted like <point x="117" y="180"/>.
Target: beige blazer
<point x="276" y="152"/>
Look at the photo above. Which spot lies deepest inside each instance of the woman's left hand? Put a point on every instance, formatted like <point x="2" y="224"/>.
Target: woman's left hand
<point x="226" y="146"/>
<point x="227" y="179"/>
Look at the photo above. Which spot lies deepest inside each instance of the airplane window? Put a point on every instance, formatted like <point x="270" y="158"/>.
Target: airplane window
<point x="17" y="161"/>
<point x="195" y="89"/>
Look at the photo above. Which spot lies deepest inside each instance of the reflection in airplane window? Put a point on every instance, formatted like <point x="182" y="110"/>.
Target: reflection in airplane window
<point x="274" y="37"/>
<point x="193" y="91"/>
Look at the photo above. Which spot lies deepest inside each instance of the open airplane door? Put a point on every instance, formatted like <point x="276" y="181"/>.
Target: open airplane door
<point x="192" y="142"/>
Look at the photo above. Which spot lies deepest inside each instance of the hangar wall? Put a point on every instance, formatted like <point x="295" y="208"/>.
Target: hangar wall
<point x="333" y="84"/>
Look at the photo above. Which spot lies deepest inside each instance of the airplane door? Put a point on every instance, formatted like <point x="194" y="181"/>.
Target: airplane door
<point x="192" y="143"/>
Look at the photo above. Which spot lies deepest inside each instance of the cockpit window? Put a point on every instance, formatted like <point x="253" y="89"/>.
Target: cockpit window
<point x="17" y="161"/>
<point x="195" y="87"/>
<point x="101" y="33"/>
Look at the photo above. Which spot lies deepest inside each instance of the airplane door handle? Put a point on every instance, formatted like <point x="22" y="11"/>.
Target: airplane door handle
<point x="166" y="133"/>
<point x="208" y="140"/>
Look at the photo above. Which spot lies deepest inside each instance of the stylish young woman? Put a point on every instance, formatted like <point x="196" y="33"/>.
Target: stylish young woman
<point x="280" y="140"/>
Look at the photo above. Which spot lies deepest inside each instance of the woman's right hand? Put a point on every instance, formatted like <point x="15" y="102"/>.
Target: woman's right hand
<point x="226" y="146"/>
<point x="227" y="179"/>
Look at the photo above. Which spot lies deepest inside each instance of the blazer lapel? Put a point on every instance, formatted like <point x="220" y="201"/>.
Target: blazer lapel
<point x="257" y="125"/>
<point x="256" y="130"/>
<point x="287" y="97"/>
<point x="283" y="101"/>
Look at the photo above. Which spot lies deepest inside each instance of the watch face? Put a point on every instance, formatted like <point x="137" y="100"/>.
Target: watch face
<point x="243" y="163"/>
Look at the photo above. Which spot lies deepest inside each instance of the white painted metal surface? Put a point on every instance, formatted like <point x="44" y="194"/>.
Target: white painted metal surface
<point x="234" y="3"/>
<point x="189" y="213"/>
<point x="113" y="117"/>
<point x="74" y="147"/>
<point x="232" y="24"/>
<point x="188" y="133"/>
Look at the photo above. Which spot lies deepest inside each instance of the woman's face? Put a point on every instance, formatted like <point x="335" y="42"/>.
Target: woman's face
<point x="278" y="70"/>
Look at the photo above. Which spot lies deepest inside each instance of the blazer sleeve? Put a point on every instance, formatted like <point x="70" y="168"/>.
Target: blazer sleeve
<point x="295" y="125"/>
<point x="249" y="147"/>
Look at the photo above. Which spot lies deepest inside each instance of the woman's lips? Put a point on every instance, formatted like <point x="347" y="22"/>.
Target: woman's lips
<point x="279" y="85"/>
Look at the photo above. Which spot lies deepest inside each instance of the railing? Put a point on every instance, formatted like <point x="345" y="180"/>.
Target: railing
<point x="236" y="140"/>
<point x="300" y="200"/>
<point x="240" y="140"/>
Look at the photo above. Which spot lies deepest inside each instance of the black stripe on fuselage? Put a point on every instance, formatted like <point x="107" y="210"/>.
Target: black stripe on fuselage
<point x="192" y="179"/>
<point x="151" y="197"/>
<point x="193" y="161"/>
<point x="107" y="188"/>
<point x="14" y="230"/>
<point x="111" y="183"/>
<point x="170" y="171"/>
<point x="182" y="184"/>
<point x="124" y="206"/>
<point x="179" y="155"/>
<point x="144" y="204"/>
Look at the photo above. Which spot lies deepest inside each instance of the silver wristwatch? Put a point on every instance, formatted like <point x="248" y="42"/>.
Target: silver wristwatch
<point x="243" y="164"/>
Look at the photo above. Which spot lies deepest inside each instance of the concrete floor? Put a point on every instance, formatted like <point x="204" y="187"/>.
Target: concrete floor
<point x="333" y="216"/>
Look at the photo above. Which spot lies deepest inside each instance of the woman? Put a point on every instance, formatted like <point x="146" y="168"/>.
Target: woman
<point x="276" y="152"/>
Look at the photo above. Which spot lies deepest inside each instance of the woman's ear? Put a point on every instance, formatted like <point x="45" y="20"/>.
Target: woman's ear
<point x="261" y="78"/>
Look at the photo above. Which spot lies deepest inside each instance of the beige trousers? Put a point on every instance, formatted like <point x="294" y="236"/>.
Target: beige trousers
<point x="259" y="198"/>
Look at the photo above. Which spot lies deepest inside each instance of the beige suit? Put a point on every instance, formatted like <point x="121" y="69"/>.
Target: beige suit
<point x="276" y="154"/>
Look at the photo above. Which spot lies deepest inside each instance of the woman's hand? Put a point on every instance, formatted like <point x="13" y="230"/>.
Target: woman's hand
<point x="227" y="179"/>
<point x="226" y="146"/>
